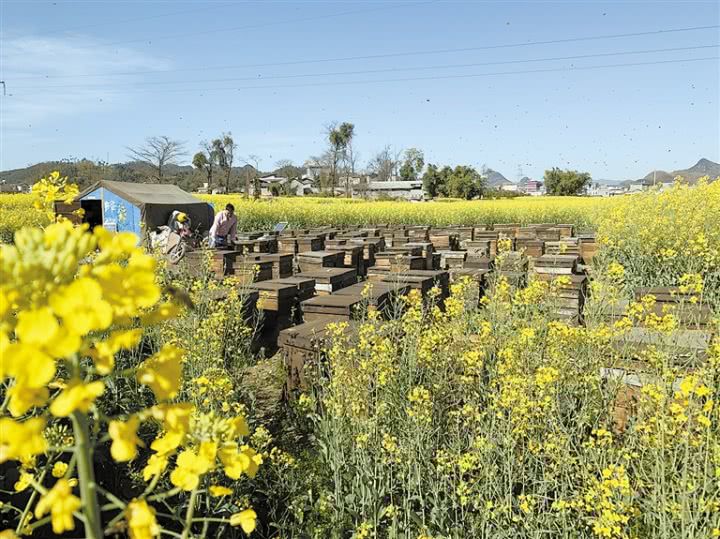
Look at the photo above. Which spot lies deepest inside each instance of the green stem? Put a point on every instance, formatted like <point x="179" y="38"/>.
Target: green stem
<point x="86" y="476"/>
<point x="189" y="515"/>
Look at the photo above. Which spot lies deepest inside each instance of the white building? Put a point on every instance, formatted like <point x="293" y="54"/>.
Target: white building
<point x="408" y="190"/>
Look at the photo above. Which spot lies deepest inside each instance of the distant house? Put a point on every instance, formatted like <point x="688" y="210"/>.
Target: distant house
<point x="598" y="189"/>
<point x="13" y="188"/>
<point x="531" y="187"/>
<point x="272" y="186"/>
<point x="408" y="190"/>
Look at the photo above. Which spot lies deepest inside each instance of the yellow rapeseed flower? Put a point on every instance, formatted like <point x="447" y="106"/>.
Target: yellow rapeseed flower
<point x="76" y="396"/>
<point x="60" y="503"/>
<point x="141" y="520"/>
<point x="162" y="372"/>
<point x="246" y="519"/>
<point x="125" y="439"/>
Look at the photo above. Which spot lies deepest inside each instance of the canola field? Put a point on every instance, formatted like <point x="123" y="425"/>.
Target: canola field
<point x="134" y="404"/>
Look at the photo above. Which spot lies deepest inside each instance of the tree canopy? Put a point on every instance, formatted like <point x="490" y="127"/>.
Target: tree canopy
<point x="566" y="182"/>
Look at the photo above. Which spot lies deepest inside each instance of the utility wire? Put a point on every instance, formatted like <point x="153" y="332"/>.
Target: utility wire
<point x="370" y="71"/>
<point x="385" y="55"/>
<point x="417" y="79"/>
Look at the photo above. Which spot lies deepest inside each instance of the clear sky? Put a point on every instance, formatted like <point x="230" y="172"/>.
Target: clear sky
<point x="472" y="82"/>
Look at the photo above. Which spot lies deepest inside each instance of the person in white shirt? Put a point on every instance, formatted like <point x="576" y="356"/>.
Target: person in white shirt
<point x="224" y="227"/>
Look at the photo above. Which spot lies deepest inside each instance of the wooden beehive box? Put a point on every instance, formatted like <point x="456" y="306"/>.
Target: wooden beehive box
<point x="506" y="230"/>
<point x="548" y="234"/>
<point x="588" y="249"/>
<point x="328" y="280"/>
<point x="249" y="269"/>
<point x="421" y="283"/>
<point x="282" y="264"/>
<point x="557" y="264"/>
<point x="444" y="240"/>
<point x="276" y="296"/>
<point x="474" y="261"/>
<point x="452" y="259"/>
<point x="567" y="246"/>
<point x="309" y="243"/>
<point x="303" y="347"/>
<point x="441" y="279"/>
<point x="482" y="246"/>
<point x="331" y="308"/>
<point x="379" y="295"/>
<point x="311" y="260"/>
<point x="532" y="248"/>
<point x="305" y="285"/>
<point x="566" y="230"/>
<point x="426" y="251"/>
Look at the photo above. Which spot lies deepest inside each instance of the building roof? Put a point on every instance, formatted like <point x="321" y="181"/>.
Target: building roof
<point x="141" y="194"/>
<point x="391" y="186"/>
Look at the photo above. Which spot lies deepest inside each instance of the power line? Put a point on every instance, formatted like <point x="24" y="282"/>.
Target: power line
<point x="384" y="55"/>
<point x="428" y="78"/>
<point x="373" y="71"/>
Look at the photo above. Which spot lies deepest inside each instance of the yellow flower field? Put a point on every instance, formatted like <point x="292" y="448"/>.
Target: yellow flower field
<point x="308" y="211"/>
<point x="136" y="401"/>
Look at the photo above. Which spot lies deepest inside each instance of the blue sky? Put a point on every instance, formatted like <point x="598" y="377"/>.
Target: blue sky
<point x="274" y="73"/>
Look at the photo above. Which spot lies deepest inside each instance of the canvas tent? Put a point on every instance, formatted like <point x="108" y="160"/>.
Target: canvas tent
<point x="124" y="206"/>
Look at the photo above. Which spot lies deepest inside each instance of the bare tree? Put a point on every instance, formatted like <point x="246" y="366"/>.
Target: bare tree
<point x="384" y="164"/>
<point x="157" y="152"/>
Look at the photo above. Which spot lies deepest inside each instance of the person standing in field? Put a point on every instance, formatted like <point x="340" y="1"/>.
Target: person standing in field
<point x="224" y="227"/>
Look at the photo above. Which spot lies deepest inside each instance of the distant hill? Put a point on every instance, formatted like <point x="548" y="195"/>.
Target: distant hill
<point x="85" y="172"/>
<point x="494" y="179"/>
<point x="704" y="167"/>
<point x="658" y="176"/>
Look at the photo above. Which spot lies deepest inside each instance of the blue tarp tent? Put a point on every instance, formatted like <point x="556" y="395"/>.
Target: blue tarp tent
<point x="125" y="206"/>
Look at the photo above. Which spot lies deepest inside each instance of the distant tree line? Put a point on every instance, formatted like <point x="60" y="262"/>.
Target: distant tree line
<point x="219" y="166"/>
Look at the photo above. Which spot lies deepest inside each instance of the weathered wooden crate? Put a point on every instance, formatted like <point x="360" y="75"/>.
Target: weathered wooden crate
<point x="419" y="233"/>
<point x="512" y="261"/>
<point x="426" y="251"/>
<point x="688" y="315"/>
<point x="221" y="261"/>
<point x="421" y="283"/>
<point x="444" y="241"/>
<point x="249" y="235"/>
<point x="452" y="259"/>
<point x="305" y="285"/>
<point x="548" y="234"/>
<point x="282" y="264"/>
<point x="398" y="262"/>
<point x="248" y="269"/>
<point x="566" y="230"/>
<point x="506" y="230"/>
<point x="371" y="232"/>
<point x="531" y="248"/>
<point x="588" y="249"/>
<point x="567" y="246"/>
<point x="276" y="296"/>
<point x="440" y="278"/>
<point x="378" y="295"/>
<point x="526" y="233"/>
<point x="287" y="244"/>
<point x="309" y="243"/>
<point x="331" y="308"/>
<point x="303" y="348"/>
<point x="320" y="259"/>
<point x="328" y="280"/>
<point x="557" y="264"/>
<point x="352" y="255"/>
<point x="667" y="294"/>
<point x="475" y="261"/>
<point x="482" y="246"/>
